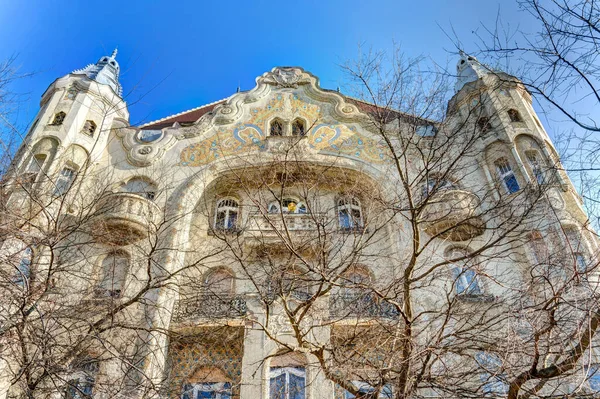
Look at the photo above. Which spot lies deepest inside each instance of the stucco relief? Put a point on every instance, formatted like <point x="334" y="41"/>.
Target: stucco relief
<point x="233" y="128"/>
<point x="324" y="138"/>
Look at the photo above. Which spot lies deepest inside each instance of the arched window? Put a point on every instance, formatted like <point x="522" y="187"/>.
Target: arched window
<point x="209" y="383"/>
<point x="219" y="281"/>
<point x="287" y="377"/>
<point x="89" y="128"/>
<point x="114" y="273"/>
<point x="298" y="128"/>
<point x="226" y="216"/>
<point x="533" y="159"/>
<point x="514" y="116"/>
<point x="349" y="213"/>
<point x="466" y="280"/>
<point x="506" y="174"/>
<point x="276" y="128"/>
<point x="59" y="118"/>
<point x="65" y="180"/>
<point x="82" y="379"/>
<point x="140" y="186"/>
<point x="483" y="124"/>
<point x="287" y="205"/>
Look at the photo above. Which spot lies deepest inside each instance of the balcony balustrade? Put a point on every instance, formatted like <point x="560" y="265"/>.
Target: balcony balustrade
<point x="273" y="226"/>
<point x="124" y="218"/>
<point x="452" y="214"/>
<point x="209" y="306"/>
<point x="360" y="306"/>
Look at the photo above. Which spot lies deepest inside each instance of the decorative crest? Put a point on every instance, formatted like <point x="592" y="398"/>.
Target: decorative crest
<point x="286" y="77"/>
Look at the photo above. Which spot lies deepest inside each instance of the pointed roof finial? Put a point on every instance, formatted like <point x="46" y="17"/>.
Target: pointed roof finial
<point x="105" y="71"/>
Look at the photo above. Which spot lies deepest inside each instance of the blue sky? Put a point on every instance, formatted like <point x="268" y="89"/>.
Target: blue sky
<point x="181" y="54"/>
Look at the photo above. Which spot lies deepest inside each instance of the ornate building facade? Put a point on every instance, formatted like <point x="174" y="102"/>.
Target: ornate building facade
<point x="291" y="242"/>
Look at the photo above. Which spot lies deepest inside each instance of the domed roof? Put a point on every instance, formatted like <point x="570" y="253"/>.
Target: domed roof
<point x="105" y="71"/>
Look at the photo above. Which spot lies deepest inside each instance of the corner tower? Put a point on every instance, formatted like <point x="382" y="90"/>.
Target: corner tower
<point x="72" y="126"/>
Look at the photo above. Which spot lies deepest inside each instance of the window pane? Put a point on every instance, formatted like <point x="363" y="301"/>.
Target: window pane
<point x="511" y="183"/>
<point x="344" y="219"/>
<point x="232" y="220"/>
<point x="297" y="387"/>
<point x="277" y="387"/>
<point x="220" y="222"/>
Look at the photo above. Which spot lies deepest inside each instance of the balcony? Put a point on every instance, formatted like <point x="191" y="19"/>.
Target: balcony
<point x="124" y="218"/>
<point x="272" y="227"/>
<point x="360" y="306"/>
<point x="205" y="307"/>
<point x="451" y="214"/>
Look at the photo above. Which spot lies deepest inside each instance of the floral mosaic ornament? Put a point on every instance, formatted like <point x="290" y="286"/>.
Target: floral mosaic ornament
<point x="327" y="139"/>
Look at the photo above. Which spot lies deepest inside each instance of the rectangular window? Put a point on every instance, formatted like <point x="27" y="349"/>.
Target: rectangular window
<point x="64" y="181"/>
<point x="507" y="176"/>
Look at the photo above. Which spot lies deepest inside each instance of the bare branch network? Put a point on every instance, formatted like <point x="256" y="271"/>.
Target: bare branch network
<point x="291" y="242"/>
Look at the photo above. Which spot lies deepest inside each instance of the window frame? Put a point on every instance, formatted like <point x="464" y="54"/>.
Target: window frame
<point x="277" y="206"/>
<point x="220" y="390"/>
<point x="507" y="175"/>
<point x="302" y="124"/>
<point x="281" y="129"/>
<point x="514" y="116"/>
<point x="89" y="128"/>
<point x="64" y="183"/>
<point x="298" y="371"/>
<point x="348" y="204"/>
<point x="228" y="210"/>
<point x="59" y="118"/>
<point x="533" y="159"/>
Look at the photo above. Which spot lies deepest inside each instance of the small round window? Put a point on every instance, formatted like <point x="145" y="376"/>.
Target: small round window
<point x="148" y="136"/>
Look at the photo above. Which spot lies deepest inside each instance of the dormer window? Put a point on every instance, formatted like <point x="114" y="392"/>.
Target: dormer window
<point x="89" y="128"/>
<point x="514" y="116"/>
<point x="276" y="128"/>
<point x="59" y="118"/>
<point x="298" y="128"/>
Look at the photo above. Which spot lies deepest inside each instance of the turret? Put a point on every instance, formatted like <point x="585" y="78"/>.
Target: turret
<point x="72" y="127"/>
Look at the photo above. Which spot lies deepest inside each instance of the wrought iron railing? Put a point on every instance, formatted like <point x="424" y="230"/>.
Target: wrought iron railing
<point x="360" y="305"/>
<point x="208" y="306"/>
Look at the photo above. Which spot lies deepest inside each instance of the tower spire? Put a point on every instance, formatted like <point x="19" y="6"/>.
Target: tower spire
<point x="468" y="69"/>
<point x="105" y="71"/>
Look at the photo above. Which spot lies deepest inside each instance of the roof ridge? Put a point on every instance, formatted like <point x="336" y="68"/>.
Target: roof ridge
<point x="183" y="112"/>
